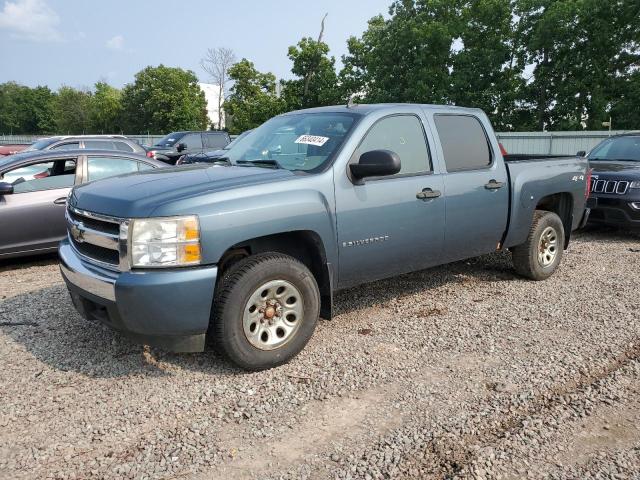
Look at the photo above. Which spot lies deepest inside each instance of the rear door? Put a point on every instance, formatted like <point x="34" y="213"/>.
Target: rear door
<point x="386" y="225"/>
<point x="32" y="218"/>
<point x="476" y="186"/>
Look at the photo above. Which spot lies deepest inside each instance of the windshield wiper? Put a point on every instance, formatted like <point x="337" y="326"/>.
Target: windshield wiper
<point x="260" y="163"/>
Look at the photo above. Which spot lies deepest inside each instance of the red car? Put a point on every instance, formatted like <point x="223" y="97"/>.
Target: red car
<point x="6" y="150"/>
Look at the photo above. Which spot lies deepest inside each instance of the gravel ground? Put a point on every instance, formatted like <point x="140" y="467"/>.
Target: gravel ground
<point x="462" y="371"/>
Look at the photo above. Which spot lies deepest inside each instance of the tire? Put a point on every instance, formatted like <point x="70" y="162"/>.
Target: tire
<point x="258" y="332"/>
<point x="529" y="259"/>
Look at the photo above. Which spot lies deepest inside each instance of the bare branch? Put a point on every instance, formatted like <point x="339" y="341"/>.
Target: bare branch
<point x="309" y="76"/>
<point x="216" y="63"/>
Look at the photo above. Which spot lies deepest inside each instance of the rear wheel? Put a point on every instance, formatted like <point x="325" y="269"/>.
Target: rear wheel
<point x="265" y="311"/>
<point x="539" y="257"/>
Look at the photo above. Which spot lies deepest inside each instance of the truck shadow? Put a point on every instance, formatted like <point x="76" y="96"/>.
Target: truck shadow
<point x="28" y="262"/>
<point x="488" y="268"/>
<point x="608" y="234"/>
<point x="45" y="324"/>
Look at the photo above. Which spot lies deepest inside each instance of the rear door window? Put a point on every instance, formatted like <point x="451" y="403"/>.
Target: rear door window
<point x="464" y="142"/>
<point x="104" y="167"/>
<point x="99" y="144"/>
<point x="215" y="141"/>
<point x="123" y="147"/>
<point x="67" y="146"/>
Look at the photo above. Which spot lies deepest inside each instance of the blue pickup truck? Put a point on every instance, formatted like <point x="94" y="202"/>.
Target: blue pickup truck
<point x="249" y="252"/>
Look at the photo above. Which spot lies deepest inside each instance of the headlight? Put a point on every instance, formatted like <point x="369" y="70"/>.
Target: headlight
<point x="165" y="242"/>
<point x="635" y="184"/>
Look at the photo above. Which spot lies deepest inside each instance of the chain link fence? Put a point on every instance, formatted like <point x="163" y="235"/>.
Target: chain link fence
<point x="550" y="143"/>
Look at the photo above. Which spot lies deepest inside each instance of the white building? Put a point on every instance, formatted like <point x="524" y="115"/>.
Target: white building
<point x="211" y="93"/>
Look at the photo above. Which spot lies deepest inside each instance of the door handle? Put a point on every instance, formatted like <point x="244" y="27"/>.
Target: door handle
<point x="494" y="185"/>
<point x="427" y="193"/>
<point x="60" y="201"/>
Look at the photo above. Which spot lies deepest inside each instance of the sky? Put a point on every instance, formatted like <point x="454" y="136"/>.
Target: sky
<point x="78" y="42"/>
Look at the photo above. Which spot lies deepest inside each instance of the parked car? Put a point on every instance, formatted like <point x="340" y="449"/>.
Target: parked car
<point x="212" y="156"/>
<point x="11" y="149"/>
<point x="173" y="146"/>
<point x="94" y="142"/>
<point x="615" y="181"/>
<point x="313" y="201"/>
<point x="34" y="187"/>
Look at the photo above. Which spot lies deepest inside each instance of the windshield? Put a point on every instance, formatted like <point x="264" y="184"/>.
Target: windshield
<point x="170" y="140"/>
<point x="304" y="142"/>
<point x="237" y="139"/>
<point x="619" y="148"/>
<point x="40" y="144"/>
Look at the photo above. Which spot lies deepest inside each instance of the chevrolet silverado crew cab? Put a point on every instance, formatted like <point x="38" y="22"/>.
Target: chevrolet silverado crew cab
<point x="251" y="252"/>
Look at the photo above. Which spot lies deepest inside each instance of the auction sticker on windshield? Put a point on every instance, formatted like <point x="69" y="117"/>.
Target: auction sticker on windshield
<point x="312" y="140"/>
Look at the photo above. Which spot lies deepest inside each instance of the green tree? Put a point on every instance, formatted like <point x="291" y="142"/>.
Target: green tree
<point x="106" y="109"/>
<point x="582" y="51"/>
<point x="317" y="82"/>
<point x="164" y="99"/>
<point x="72" y="109"/>
<point x="406" y="58"/>
<point x="26" y="110"/>
<point x="253" y="98"/>
<point x="624" y="112"/>
<point x="485" y="73"/>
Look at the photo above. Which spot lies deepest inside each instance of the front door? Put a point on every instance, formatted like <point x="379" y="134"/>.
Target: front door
<point x="388" y="225"/>
<point x="32" y="217"/>
<point x="477" y="188"/>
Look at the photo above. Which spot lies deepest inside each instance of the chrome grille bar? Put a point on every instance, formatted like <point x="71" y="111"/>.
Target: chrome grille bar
<point x="104" y="241"/>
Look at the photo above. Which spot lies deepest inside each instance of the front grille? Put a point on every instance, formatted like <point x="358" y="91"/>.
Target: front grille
<point x="612" y="187"/>
<point x="96" y="237"/>
<point x="101" y="254"/>
<point x="95" y="224"/>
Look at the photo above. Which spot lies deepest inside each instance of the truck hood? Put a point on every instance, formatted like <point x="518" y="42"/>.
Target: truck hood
<point x="139" y="194"/>
<point x="615" y="166"/>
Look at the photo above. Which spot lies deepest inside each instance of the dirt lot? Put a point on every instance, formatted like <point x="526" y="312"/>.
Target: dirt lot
<point x="460" y="371"/>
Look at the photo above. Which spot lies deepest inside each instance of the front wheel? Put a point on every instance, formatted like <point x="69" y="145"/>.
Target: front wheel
<point x="265" y="311"/>
<point x="540" y="255"/>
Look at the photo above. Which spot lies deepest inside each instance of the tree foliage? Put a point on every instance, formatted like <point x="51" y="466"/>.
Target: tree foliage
<point x="316" y="82"/>
<point x="582" y="57"/>
<point x="253" y="98"/>
<point x="164" y="99"/>
<point x="106" y="109"/>
<point x="26" y="110"/>
<point x="72" y="110"/>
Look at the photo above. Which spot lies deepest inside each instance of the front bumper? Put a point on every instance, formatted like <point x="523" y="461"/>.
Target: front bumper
<point x="616" y="211"/>
<point x="169" y="309"/>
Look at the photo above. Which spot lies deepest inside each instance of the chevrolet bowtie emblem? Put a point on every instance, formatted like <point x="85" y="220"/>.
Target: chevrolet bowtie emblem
<point x="77" y="232"/>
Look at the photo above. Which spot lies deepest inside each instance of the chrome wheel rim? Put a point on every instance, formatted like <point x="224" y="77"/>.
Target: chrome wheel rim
<point x="273" y="314"/>
<point x="548" y="247"/>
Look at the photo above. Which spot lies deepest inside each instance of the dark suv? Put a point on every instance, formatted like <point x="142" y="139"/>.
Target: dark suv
<point x="93" y="142"/>
<point x="615" y="183"/>
<point x="170" y="148"/>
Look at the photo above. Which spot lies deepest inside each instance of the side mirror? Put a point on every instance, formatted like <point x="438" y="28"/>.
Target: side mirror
<point x="581" y="153"/>
<point x="376" y="163"/>
<point x="181" y="147"/>
<point x="6" y="188"/>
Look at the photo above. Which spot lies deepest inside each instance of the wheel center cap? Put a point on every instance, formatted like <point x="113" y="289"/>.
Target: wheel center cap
<point x="269" y="312"/>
